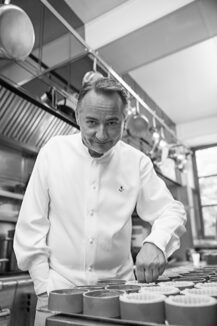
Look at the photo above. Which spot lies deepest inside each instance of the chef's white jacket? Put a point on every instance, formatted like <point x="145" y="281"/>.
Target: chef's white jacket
<point x="75" y="224"/>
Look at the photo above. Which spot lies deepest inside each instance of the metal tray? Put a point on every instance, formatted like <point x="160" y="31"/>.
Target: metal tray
<point x="84" y="320"/>
<point x="63" y="319"/>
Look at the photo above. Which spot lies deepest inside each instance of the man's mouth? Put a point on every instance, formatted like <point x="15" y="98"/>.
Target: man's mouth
<point x="101" y="142"/>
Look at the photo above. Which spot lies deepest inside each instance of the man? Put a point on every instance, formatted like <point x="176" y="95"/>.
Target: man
<point x="74" y="225"/>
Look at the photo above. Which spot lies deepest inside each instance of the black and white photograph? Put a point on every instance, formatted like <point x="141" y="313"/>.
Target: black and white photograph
<point x="108" y="162"/>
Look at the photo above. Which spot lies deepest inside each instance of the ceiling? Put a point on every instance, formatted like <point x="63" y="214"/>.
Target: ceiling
<point x="167" y="47"/>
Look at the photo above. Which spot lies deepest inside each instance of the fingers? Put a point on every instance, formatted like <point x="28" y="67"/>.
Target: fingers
<point x="162" y="269"/>
<point x="140" y="274"/>
<point x="149" y="273"/>
<point x="155" y="274"/>
<point x="150" y="263"/>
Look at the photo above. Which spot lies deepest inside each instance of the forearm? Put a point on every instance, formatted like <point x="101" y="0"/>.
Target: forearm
<point x="168" y="228"/>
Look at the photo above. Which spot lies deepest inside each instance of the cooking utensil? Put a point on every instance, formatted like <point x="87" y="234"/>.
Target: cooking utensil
<point x="137" y="123"/>
<point x="17" y="35"/>
<point x="91" y="76"/>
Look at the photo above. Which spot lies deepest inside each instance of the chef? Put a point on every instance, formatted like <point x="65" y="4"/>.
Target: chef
<point x="75" y="224"/>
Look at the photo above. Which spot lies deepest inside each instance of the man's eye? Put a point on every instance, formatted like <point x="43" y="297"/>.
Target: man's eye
<point x="112" y="123"/>
<point x="91" y="123"/>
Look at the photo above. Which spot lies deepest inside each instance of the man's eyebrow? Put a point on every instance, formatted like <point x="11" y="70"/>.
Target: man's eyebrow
<point x="89" y="117"/>
<point x="113" y="118"/>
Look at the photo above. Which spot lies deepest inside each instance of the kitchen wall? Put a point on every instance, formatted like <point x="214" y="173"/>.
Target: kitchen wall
<point x="198" y="132"/>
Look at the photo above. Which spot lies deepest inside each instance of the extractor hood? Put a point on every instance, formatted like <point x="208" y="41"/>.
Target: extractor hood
<point x="25" y="121"/>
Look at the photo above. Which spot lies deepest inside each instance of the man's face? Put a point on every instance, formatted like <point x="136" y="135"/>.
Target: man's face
<point x="101" y="120"/>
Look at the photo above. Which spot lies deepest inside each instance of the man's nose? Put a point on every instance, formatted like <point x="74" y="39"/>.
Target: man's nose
<point x="101" y="133"/>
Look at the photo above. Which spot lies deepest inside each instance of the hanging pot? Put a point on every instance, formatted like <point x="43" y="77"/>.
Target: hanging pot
<point x="91" y="77"/>
<point x="137" y="124"/>
<point x="17" y="35"/>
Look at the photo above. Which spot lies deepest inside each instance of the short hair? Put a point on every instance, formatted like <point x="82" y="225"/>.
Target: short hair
<point x="104" y="85"/>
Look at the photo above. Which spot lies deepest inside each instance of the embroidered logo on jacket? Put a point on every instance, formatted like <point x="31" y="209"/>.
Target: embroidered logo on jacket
<point x="121" y="189"/>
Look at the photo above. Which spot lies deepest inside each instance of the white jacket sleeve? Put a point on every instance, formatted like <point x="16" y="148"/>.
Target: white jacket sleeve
<point x="157" y="206"/>
<point x="33" y="225"/>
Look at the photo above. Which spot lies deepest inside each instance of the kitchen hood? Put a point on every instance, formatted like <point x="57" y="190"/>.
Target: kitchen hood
<point x="30" y="123"/>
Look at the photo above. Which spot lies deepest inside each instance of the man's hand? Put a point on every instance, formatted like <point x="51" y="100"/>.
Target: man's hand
<point x="150" y="263"/>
